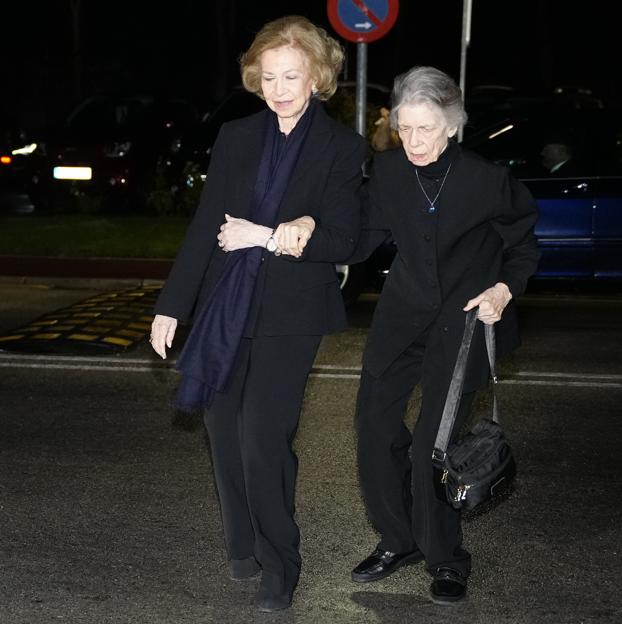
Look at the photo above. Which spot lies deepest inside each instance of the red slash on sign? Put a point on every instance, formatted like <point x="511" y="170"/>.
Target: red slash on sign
<point x="362" y="21"/>
<point x="365" y="9"/>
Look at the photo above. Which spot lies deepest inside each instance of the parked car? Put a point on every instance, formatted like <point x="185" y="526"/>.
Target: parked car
<point x="489" y="104"/>
<point x="184" y="166"/>
<point x="107" y="149"/>
<point x="14" y="145"/>
<point x="579" y="229"/>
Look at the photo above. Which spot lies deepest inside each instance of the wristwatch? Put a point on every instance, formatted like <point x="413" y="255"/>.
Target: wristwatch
<point x="271" y="245"/>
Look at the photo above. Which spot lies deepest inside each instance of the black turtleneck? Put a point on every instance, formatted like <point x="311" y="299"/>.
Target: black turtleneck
<point x="438" y="168"/>
<point x="433" y="175"/>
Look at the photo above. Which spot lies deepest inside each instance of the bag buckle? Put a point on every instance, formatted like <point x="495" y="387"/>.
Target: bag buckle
<point x="438" y="457"/>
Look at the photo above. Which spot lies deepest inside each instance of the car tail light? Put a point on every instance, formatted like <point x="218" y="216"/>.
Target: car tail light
<point x="6" y="160"/>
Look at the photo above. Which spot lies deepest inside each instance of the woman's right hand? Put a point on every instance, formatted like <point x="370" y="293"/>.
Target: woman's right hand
<point x="162" y="333"/>
<point x="292" y="237"/>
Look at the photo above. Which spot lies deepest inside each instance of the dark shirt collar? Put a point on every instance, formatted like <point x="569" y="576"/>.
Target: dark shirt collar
<point x="438" y="167"/>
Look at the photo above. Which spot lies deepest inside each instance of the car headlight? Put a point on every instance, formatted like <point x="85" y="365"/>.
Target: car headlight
<point x="118" y="149"/>
<point x="26" y="150"/>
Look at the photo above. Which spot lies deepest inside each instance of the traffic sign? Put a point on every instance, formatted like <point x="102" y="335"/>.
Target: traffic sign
<point x="362" y="21"/>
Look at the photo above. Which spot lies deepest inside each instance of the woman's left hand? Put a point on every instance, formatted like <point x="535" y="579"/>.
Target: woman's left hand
<point x="292" y="237"/>
<point x="239" y="234"/>
<point x="491" y="303"/>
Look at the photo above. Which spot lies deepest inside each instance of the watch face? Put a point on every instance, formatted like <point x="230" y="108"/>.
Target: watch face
<point x="271" y="245"/>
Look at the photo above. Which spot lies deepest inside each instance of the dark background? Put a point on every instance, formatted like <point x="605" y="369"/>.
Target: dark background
<point x="57" y="53"/>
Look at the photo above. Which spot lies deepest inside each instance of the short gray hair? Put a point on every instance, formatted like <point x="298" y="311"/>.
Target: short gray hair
<point x="428" y="85"/>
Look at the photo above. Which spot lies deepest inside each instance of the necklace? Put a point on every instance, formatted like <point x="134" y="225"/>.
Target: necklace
<point x="432" y="202"/>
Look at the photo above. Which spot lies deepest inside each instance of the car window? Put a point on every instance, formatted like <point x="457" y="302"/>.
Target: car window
<point x="540" y="146"/>
<point x="608" y="145"/>
<point x="236" y="105"/>
<point x="105" y="115"/>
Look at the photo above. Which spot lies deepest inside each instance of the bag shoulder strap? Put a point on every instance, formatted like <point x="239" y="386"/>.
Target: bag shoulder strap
<point x="454" y="394"/>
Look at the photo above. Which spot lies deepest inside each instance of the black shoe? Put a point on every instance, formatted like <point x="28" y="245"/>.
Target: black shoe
<point x="244" y="569"/>
<point x="382" y="563"/>
<point x="448" y="586"/>
<point x="267" y="601"/>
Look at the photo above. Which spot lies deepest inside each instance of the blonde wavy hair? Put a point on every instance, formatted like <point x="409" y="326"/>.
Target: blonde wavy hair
<point x="324" y="55"/>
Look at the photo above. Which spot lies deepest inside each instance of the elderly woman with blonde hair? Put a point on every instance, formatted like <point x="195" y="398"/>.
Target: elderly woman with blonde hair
<point x="256" y="272"/>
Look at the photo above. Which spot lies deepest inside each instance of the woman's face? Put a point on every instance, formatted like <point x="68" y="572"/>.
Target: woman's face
<point x="286" y="84"/>
<point x="424" y="132"/>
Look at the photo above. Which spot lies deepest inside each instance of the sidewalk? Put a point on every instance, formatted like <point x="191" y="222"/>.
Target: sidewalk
<point x="92" y="273"/>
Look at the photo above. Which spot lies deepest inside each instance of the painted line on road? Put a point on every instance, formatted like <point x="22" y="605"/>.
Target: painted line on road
<point x="85" y="367"/>
<point x="520" y="378"/>
<point x="566" y="375"/>
<point x="81" y="358"/>
<point x="536" y="298"/>
<point x="153" y="363"/>
<point x="575" y="384"/>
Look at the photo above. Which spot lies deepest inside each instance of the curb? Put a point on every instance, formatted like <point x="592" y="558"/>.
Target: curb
<point x="83" y="273"/>
<point x="78" y="283"/>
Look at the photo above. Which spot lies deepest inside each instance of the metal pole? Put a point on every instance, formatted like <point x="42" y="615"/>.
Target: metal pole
<point x="467" y="6"/>
<point x="361" y="87"/>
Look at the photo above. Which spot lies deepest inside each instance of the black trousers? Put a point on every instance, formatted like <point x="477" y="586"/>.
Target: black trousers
<point x="395" y="465"/>
<point x="251" y="428"/>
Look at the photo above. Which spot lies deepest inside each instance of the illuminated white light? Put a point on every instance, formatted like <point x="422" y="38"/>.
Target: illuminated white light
<point x="73" y="173"/>
<point x="498" y="132"/>
<point x="25" y="151"/>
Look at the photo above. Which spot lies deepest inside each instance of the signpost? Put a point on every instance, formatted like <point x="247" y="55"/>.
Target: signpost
<point x="362" y="21"/>
<point x="467" y="8"/>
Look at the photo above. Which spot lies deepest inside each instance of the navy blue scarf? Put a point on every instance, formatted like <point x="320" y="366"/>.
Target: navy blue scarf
<point x="211" y="348"/>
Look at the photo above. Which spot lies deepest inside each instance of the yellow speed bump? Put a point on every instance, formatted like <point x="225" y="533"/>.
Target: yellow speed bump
<point x="114" y="320"/>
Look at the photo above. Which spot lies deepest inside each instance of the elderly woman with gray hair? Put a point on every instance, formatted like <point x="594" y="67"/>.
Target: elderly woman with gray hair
<point x="463" y="231"/>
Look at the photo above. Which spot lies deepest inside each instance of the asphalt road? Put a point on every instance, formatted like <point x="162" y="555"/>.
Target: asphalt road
<point x="108" y="511"/>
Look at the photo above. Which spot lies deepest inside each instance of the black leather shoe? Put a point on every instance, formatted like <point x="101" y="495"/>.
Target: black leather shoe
<point x="382" y="563"/>
<point x="267" y="601"/>
<point x="244" y="569"/>
<point x="448" y="586"/>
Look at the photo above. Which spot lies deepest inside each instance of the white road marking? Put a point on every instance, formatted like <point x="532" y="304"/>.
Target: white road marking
<point x="321" y="371"/>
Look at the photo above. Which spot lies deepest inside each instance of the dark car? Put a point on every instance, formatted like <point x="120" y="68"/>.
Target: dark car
<point x="184" y="166"/>
<point x="579" y="195"/>
<point x="107" y="151"/>
<point x="15" y="147"/>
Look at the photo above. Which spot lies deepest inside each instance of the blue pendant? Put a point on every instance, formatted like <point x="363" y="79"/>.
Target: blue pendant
<point x="431" y="209"/>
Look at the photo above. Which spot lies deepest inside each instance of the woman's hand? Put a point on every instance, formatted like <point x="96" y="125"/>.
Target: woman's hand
<point x="239" y="234"/>
<point x="292" y="237"/>
<point x="162" y="333"/>
<point x="491" y="303"/>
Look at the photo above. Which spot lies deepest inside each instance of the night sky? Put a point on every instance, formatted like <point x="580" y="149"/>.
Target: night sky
<point x="189" y="48"/>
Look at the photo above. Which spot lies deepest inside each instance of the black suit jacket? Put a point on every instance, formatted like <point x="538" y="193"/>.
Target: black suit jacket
<point x="300" y="296"/>
<point x="482" y="233"/>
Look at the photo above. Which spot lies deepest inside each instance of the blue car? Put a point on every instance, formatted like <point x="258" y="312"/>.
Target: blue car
<point x="571" y="160"/>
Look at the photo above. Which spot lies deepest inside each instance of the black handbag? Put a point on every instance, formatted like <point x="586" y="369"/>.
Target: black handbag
<point x="480" y="465"/>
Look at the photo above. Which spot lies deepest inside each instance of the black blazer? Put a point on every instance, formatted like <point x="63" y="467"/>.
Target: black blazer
<point x="482" y="233"/>
<point x="300" y="296"/>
